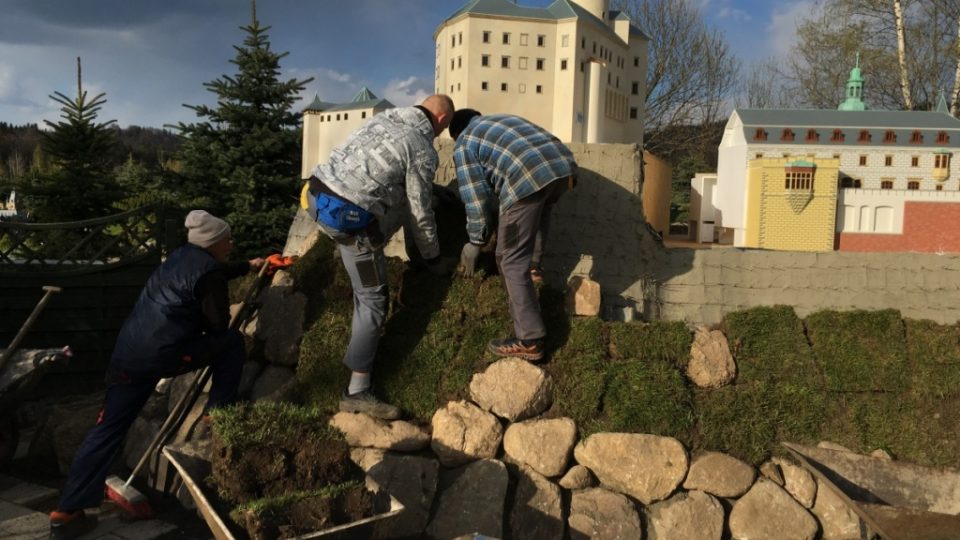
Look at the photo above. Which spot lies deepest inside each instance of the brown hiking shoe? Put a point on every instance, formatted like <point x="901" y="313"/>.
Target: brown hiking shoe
<point x="69" y="525"/>
<point x="536" y="274"/>
<point x="515" y="348"/>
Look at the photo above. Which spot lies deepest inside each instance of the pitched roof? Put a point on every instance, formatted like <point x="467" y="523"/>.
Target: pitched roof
<point x="850" y="126"/>
<point x="558" y="10"/>
<point x="365" y="99"/>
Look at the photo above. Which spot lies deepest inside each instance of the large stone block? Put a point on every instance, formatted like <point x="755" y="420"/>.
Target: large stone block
<point x="513" y="389"/>
<point x="462" y="432"/>
<point x="646" y="467"/>
<point x="472" y="503"/>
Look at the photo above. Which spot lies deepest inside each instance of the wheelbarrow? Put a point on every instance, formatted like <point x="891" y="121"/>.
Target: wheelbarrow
<point x="20" y="372"/>
<point x="897" y="501"/>
<point x="21" y="375"/>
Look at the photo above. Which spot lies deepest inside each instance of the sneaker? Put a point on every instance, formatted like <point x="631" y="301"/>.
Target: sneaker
<point x="68" y="525"/>
<point x="366" y="402"/>
<point x="515" y="348"/>
<point x="536" y="274"/>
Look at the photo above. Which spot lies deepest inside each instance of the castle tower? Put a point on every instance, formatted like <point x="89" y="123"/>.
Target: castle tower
<point x="599" y="8"/>
<point x="854" y="101"/>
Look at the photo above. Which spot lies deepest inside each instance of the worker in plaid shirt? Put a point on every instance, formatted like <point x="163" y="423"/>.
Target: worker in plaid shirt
<point x="510" y="172"/>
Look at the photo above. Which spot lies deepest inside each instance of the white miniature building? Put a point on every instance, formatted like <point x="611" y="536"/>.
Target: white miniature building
<point x="326" y="125"/>
<point x="575" y="67"/>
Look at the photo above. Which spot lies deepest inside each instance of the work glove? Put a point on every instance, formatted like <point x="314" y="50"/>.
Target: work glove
<point x="468" y="258"/>
<point x="440" y="266"/>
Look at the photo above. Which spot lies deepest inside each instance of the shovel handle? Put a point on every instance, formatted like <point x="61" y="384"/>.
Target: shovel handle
<point x="49" y="290"/>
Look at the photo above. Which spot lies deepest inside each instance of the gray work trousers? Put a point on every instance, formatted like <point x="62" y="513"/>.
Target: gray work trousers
<point x="362" y="256"/>
<point x="520" y="236"/>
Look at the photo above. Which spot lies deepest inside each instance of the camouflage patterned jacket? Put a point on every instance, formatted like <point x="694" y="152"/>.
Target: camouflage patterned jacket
<point x="387" y="166"/>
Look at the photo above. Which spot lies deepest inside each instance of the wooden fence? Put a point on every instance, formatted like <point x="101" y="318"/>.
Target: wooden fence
<point x="101" y="264"/>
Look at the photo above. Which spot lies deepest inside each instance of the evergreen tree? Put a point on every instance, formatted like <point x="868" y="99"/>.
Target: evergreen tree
<point x="80" y="183"/>
<point x="241" y="161"/>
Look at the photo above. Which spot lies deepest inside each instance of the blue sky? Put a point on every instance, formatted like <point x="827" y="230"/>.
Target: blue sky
<point x="152" y="56"/>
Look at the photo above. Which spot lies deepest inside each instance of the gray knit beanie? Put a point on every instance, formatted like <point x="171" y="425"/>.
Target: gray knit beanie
<point x="204" y="229"/>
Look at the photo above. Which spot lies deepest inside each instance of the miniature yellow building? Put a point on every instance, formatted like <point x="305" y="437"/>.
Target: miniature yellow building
<point x="791" y="204"/>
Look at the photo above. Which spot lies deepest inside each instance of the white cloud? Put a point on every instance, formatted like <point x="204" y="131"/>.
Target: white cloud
<point x="336" y="76"/>
<point x="6" y="81"/>
<point x="734" y="14"/>
<point x="782" y="30"/>
<point x="409" y="91"/>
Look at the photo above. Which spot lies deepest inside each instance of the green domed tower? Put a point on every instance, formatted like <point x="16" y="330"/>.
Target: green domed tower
<point x="854" y="101"/>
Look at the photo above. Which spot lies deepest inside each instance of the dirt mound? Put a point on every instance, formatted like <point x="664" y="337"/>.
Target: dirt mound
<point x="286" y="469"/>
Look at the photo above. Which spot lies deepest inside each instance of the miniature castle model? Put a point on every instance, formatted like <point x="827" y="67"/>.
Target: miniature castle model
<point x="325" y="125"/>
<point x="851" y="179"/>
<point x="575" y="67"/>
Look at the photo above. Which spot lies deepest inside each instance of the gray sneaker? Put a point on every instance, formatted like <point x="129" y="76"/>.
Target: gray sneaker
<point x="366" y="402"/>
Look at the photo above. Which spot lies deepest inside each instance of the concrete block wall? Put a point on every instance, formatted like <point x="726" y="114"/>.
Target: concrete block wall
<point x="598" y="230"/>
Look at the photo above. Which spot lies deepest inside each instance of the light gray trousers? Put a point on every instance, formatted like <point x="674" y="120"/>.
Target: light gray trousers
<point x="362" y="256"/>
<point x="520" y="236"/>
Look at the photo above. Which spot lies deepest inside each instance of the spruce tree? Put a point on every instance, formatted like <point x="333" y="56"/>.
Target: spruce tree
<point x="79" y="183"/>
<point x="241" y="160"/>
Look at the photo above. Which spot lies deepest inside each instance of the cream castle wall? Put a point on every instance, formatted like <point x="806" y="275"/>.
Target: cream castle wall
<point x="324" y="131"/>
<point x="567" y="104"/>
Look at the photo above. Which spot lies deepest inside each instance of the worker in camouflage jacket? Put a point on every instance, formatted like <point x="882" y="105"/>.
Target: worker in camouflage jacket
<point x="379" y="179"/>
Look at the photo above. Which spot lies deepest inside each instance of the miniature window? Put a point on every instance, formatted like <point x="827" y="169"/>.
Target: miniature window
<point x="633" y="113"/>
<point x="539" y="88"/>
<point x="635" y="88"/>
<point x="799" y="180"/>
<point x="913" y="184"/>
<point x="565" y="40"/>
<point x="485" y="60"/>
<point x="636" y="61"/>
<point x="503" y="87"/>
<point x="346" y="116"/>
<point x="522" y="64"/>
<point x="522" y="88"/>
<point x="505" y="62"/>
<point x="837" y="136"/>
<point x="812" y="135"/>
<point x="863" y="160"/>
<point x="916" y="137"/>
<point x="540" y="62"/>
<point x="486" y="36"/>
<point x="846" y="182"/>
<point x="506" y="38"/>
<point x="758" y="155"/>
<point x="941" y="161"/>
<point x="760" y="134"/>
<point x="523" y="39"/>
<point x="915" y="161"/>
<point x="459" y="61"/>
<point x="363" y="114"/>
<point x="321" y="118"/>
<point x="581" y="67"/>
<point x="943" y="138"/>
<point x="460" y="38"/>
<point x="338" y="116"/>
<point x="541" y="40"/>
<point x="483" y="85"/>
<point x="886" y="184"/>
<point x="453" y="64"/>
<point x="857" y="183"/>
<point x="890" y="136"/>
<point x="563" y="65"/>
<point x="583" y="43"/>
<point x="453" y="41"/>
<point x="787" y="135"/>
<point x="458" y="87"/>
<point x="939" y="187"/>
<point x="864" y="136"/>
<point x="887" y="161"/>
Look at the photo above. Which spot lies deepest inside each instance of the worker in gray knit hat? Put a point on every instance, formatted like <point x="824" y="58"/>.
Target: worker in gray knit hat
<point x="179" y="324"/>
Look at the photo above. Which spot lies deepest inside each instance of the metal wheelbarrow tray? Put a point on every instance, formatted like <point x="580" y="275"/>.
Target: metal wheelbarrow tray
<point x="194" y="470"/>
<point x="898" y="501"/>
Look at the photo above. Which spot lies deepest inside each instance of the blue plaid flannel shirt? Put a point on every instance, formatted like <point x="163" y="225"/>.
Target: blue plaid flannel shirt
<point x="501" y="159"/>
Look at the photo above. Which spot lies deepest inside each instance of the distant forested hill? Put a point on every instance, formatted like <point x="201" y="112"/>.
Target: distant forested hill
<point x="19" y="147"/>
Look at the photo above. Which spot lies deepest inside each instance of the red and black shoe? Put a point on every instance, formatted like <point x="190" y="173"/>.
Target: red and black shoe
<point x="69" y="525"/>
<point x="526" y="349"/>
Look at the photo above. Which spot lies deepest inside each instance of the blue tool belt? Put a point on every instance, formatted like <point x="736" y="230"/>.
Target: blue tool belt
<point x="341" y="215"/>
